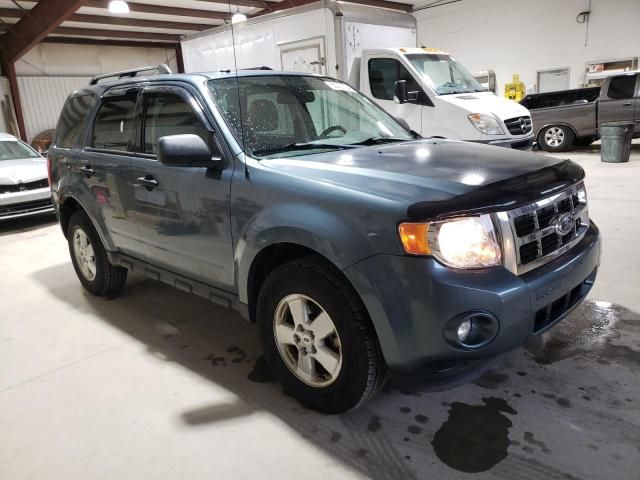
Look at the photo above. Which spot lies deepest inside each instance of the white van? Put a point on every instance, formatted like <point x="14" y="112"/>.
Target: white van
<point x="442" y="98"/>
<point x="359" y="44"/>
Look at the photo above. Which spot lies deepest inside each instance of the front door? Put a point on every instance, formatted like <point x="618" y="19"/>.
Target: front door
<point x="383" y="72"/>
<point x="185" y="220"/>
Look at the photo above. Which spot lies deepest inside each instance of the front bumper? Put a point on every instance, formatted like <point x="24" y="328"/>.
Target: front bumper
<point x="27" y="203"/>
<point x="410" y="300"/>
<point x="519" y="143"/>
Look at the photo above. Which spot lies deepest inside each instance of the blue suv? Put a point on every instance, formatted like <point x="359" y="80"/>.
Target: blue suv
<point x="362" y="251"/>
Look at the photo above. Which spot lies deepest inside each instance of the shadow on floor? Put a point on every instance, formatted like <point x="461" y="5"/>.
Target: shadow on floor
<point x="26" y="224"/>
<point x="397" y="435"/>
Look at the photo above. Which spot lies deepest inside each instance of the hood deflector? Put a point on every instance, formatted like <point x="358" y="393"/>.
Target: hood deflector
<point x="502" y="195"/>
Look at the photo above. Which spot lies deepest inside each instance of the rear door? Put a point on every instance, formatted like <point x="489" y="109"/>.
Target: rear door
<point x="617" y="100"/>
<point x="106" y="166"/>
<point x="184" y="221"/>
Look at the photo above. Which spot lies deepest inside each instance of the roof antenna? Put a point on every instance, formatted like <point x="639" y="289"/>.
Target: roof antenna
<point x="235" y="62"/>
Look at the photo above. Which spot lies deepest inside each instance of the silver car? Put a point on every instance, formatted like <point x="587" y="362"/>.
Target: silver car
<point x="24" y="184"/>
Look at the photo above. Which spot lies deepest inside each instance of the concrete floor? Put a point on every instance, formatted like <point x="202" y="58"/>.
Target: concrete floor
<point x="159" y="384"/>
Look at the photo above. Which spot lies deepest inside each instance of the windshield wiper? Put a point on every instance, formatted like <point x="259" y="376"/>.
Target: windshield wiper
<point x="379" y="140"/>
<point x="297" y="146"/>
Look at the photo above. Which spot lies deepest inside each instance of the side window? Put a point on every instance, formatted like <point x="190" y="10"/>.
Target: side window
<point x="169" y="114"/>
<point x="383" y="74"/>
<point x="72" y="119"/>
<point x="622" y="87"/>
<point x="114" y="125"/>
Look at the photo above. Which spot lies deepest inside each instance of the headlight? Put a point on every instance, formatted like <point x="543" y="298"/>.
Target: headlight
<point x="486" y="124"/>
<point x="469" y="242"/>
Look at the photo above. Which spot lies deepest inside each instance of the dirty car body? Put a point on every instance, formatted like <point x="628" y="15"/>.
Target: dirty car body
<point x="272" y="194"/>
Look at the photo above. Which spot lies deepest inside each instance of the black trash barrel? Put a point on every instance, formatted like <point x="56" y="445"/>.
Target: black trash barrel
<point x="616" y="142"/>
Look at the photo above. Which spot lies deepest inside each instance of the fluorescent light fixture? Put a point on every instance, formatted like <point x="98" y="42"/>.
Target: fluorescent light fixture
<point x="238" y="17"/>
<point x="118" y="6"/>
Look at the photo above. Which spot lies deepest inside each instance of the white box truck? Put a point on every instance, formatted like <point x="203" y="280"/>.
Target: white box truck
<point x="375" y="51"/>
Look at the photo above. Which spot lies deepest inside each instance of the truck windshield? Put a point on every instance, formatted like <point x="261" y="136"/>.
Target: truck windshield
<point x="444" y="74"/>
<point x="286" y="115"/>
<point x="12" y="150"/>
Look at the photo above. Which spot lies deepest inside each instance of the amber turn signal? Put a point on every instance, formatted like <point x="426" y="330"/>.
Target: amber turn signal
<point x="414" y="238"/>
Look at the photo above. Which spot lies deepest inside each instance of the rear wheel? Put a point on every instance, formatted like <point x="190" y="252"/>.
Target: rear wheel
<point x="317" y="337"/>
<point x="90" y="259"/>
<point x="556" y="138"/>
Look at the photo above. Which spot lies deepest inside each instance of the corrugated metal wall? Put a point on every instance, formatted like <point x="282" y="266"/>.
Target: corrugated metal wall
<point x="42" y="99"/>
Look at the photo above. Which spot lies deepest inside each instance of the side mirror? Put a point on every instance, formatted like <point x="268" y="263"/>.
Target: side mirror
<point x="400" y="91"/>
<point x="187" y="150"/>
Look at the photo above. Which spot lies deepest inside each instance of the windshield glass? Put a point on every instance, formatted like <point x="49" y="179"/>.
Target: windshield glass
<point x="13" y="149"/>
<point x="444" y="74"/>
<point x="288" y="115"/>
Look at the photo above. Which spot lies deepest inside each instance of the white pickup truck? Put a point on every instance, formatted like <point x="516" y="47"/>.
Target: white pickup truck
<point x="358" y="44"/>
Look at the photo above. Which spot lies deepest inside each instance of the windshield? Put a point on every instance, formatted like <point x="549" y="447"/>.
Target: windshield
<point x="13" y="149"/>
<point x="444" y="74"/>
<point x="289" y="115"/>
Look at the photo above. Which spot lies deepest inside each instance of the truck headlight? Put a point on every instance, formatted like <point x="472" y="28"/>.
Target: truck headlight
<point x="469" y="242"/>
<point x="486" y="124"/>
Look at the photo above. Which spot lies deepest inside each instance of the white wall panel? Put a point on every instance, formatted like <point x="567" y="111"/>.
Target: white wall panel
<point x="524" y="36"/>
<point x="42" y="100"/>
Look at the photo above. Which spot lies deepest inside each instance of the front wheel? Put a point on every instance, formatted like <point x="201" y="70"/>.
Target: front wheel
<point x="317" y="337"/>
<point x="556" y="138"/>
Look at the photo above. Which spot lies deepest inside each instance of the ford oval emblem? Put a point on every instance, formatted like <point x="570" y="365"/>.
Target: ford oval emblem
<point x="563" y="224"/>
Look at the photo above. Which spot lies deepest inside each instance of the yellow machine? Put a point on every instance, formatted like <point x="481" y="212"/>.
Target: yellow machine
<point x="515" y="89"/>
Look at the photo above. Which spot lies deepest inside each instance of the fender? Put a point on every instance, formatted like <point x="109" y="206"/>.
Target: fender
<point x="300" y="224"/>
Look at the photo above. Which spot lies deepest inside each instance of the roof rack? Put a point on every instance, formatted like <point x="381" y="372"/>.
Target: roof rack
<point x="161" y="68"/>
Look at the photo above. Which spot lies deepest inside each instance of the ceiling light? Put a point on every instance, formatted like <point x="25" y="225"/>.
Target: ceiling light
<point x="118" y="6"/>
<point x="238" y="17"/>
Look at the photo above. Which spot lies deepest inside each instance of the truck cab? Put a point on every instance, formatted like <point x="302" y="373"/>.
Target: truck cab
<point x="443" y="98"/>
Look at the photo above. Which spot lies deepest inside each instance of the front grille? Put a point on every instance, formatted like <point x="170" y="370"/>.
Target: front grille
<point x="548" y="228"/>
<point x="23" y="187"/>
<point x="518" y="125"/>
<point x="25" y="207"/>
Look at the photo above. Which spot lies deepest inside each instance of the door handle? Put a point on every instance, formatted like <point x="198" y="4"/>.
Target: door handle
<point x="147" y="182"/>
<point x="87" y="170"/>
<point x="626" y="104"/>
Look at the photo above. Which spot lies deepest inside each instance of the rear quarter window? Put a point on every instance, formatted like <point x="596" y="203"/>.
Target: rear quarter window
<point x="72" y="119"/>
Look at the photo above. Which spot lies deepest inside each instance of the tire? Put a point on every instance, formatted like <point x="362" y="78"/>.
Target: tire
<point x="90" y="260"/>
<point x="556" y="138"/>
<point x="360" y="372"/>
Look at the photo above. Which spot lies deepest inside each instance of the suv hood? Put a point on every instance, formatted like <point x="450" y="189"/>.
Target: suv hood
<point x="436" y="171"/>
<point x="488" y="103"/>
<point x="14" y="172"/>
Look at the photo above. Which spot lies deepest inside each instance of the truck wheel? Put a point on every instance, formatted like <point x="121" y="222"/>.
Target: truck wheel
<point x="556" y="138"/>
<point x="317" y="337"/>
<point x="90" y="259"/>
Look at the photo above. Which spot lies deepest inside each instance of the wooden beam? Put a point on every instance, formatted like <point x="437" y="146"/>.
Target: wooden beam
<point x="138" y="22"/>
<point x="97" y="32"/>
<point x="15" y="96"/>
<point x="108" y="43"/>
<point x="244" y="3"/>
<point x="33" y="27"/>
<point x="162" y="10"/>
<point x="10" y="13"/>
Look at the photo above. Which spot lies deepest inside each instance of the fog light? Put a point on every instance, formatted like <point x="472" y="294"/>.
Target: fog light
<point x="464" y="329"/>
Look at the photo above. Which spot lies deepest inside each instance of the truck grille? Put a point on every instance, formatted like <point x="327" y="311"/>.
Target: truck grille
<point x="518" y="125"/>
<point x="548" y="228"/>
<point x="23" y="187"/>
<point x="26" y="208"/>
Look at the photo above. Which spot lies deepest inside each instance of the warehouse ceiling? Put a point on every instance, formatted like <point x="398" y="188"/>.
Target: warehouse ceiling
<point x="149" y="22"/>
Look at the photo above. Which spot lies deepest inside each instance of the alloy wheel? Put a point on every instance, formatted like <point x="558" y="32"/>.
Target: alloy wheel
<point x="85" y="257"/>
<point x="307" y="340"/>
<point x="554" y="136"/>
